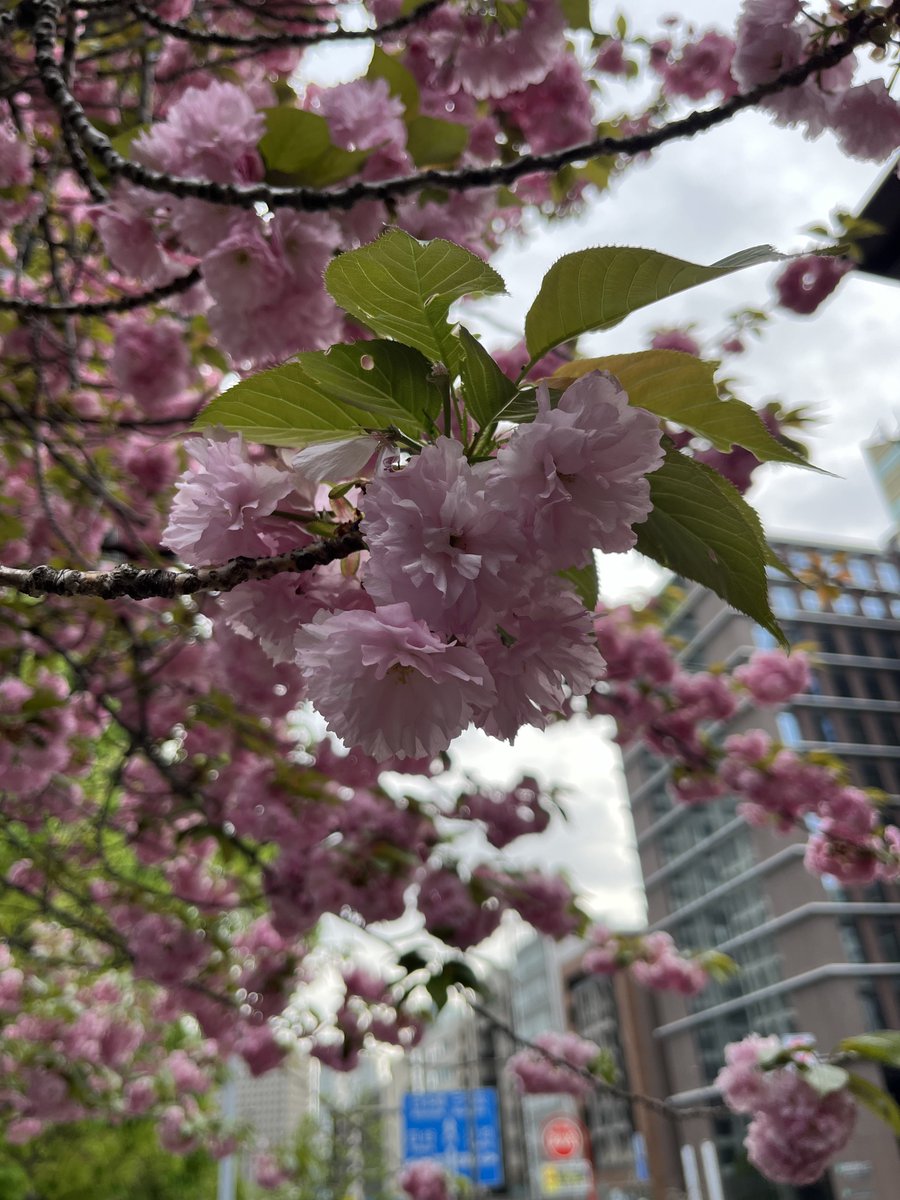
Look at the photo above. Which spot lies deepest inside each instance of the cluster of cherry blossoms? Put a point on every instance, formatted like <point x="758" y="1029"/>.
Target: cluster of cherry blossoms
<point x="425" y="1181"/>
<point x="456" y="615"/>
<point x="653" y="960"/>
<point x="802" y="1110"/>
<point x="555" y="1063"/>
<point x="71" y="1047"/>
<point x="682" y="717"/>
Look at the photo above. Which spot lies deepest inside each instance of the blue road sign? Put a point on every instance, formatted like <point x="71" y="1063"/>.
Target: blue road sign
<point x="458" y="1129"/>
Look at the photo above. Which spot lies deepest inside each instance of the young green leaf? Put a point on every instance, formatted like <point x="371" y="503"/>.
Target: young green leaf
<point x="883" y="1046"/>
<point x="878" y="1101"/>
<point x="826" y="1078"/>
<point x="577" y="13"/>
<point x="403" y="288"/>
<point x="400" y="80"/>
<point x="681" y="388"/>
<point x="595" y="289"/>
<point x="327" y="395"/>
<point x="432" y="142"/>
<point x="701" y="528"/>
<point x="487" y="391"/>
<point x="585" y="582"/>
<point x="298" y="144"/>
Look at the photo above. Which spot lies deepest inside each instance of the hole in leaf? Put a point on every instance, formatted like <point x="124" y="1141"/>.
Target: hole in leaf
<point x="367" y="362"/>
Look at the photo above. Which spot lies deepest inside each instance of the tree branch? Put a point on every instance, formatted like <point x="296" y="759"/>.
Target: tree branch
<point x="127" y="581"/>
<point x="263" y="41"/>
<point x="97" y="308"/>
<point x="662" y="1108"/>
<point x="856" y="32"/>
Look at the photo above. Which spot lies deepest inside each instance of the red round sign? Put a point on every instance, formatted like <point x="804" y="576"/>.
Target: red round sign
<point x="562" y="1138"/>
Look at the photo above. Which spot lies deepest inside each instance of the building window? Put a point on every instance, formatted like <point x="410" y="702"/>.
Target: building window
<point x="870" y="774"/>
<point x="895" y="609"/>
<point x="811" y="600"/>
<point x="858" y="643"/>
<point x="873" y="606"/>
<point x="762" y="639"/>
<point x="789" y="728"/>
<point x="855" y="729"/>
<point x="784" y="601"/>
<point x="874" y="1016"/>
<point x="844" y="604"/>
<point x="890" y="576"/>
<point x="861" y="572"/>
<point x="852" y="943"/>
<point x="827" y="730"/>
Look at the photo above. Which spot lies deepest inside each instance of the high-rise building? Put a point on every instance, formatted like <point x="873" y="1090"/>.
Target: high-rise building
<point x="274" y="1104"/>
<point x="814" y="957"/>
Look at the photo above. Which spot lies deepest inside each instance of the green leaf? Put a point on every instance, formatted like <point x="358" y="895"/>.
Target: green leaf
<point x="585" y="582"/>
<point x="878" y="1101"/>
<point x="432" y="142"/>
<point x="826" y="1078"/>
<point x="298" y="144"/>
<point x="883" y="1046"/>
<point x="486" y="389"/>
<point x="452" y="972"/>
<point x="403" y="288"/>
<point x="681" y="388"/>
<point x="412" y="961"/>
<point x="511" y="13"/>
<point x="595" y="289"/>
<point x="577" y="13"/>
<point x="331" y="394"/>
<point x="701" y="528"/>
<point x="401" y="81"/>
<point x="720" y="966"/>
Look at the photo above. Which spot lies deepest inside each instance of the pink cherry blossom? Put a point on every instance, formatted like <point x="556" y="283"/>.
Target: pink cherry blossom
<point x="150" y="362"/>
<point x="675" y="339"/>
<point x="556" y="111"/>
<point x="772" y="677"/>
<point x="536" y="1073"/>
<point x="611" y="58"/>
<point x="424" y="1181"/>
<point x="541" y="650"/>
<point x="795" y="1129"/>
<point x="806" y="282"/>
<point x="436" y="543"/>
<point x="223" y="502"/>
<point x="386" y="683"/>
<point x="452" y="912"/>
<point x="15" y="158"/>
<point x="701" y="68"/>
<point x="212" y="132"/>
<point x="488" y="62"/>
<point x="362" y="115"/>
<point x="577" y="475"/>
<point x="866" y="120"/>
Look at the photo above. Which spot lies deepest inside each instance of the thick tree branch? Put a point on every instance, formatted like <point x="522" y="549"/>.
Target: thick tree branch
<point x="99" y="308"/>
<point x="855" y="33"/>
<point x="157" y="583"/>
<point x="264" y="41"/>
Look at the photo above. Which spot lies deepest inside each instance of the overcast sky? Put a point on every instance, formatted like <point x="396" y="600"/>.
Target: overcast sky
<point x="742" y="184"/>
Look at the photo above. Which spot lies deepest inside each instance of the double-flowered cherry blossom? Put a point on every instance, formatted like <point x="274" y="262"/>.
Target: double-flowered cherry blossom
<point x="797" y="1127"/>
